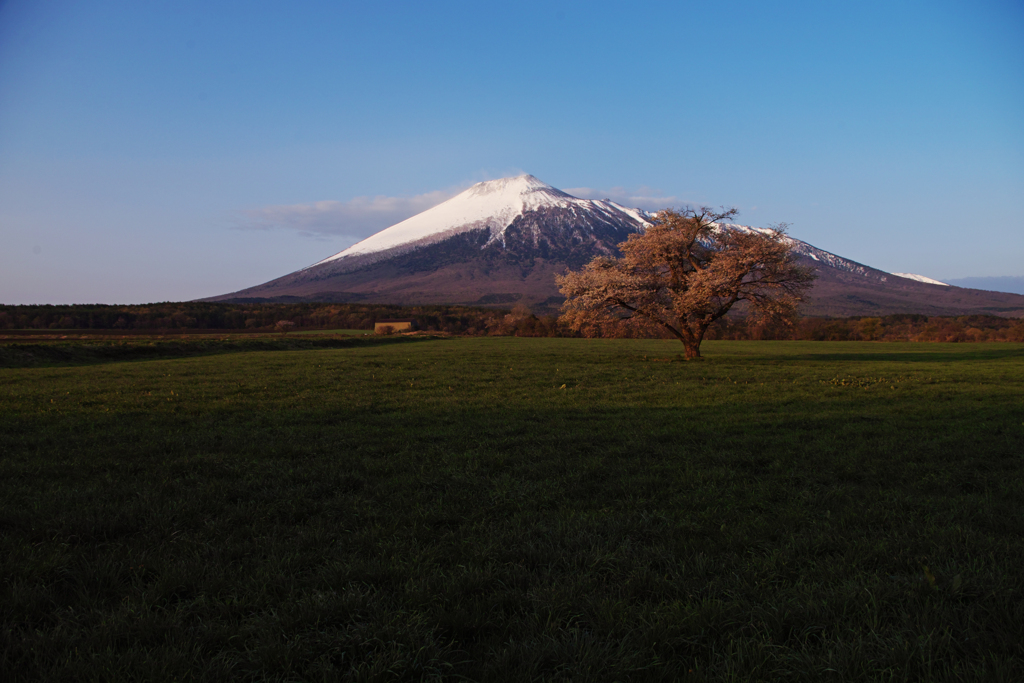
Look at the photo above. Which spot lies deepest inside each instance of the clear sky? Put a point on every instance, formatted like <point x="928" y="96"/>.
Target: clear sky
<point x="154" y="151"/>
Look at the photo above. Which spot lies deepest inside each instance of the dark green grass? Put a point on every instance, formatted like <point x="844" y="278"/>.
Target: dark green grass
<point x="517" y="509"/>
<point x="354" y="333"/>
<point x="98" y="350"/>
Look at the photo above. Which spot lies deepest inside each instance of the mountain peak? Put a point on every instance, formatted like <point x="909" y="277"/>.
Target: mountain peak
<point x="492" y="205"/>
<point x="520" y="184"/>
<point x="503" y="191"/>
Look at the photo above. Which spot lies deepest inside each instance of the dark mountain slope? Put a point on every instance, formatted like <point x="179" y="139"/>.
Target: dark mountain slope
<point x="504" y="241"/>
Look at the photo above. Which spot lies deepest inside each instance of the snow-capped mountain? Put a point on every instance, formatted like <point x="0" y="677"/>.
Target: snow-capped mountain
<point x="503" y="241"/>
<point x="493" y="206"/>
<point x="496" y="206"/>
<point x="819" y="256"/>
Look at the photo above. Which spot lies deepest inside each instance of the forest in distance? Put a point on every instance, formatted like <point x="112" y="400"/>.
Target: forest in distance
<point x="187" y="317"/>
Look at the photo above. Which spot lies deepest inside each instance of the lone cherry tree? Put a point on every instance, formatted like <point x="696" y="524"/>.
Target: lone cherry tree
<point x="683" y="273"/>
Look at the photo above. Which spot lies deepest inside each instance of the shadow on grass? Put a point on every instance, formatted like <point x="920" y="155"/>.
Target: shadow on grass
<point x="510" y="544"/>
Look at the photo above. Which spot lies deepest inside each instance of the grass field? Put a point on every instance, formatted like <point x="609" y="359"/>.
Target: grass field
<point x="514" y="509"/>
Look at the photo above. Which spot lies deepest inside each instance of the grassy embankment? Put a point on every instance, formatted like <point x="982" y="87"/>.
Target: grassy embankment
<point x="516" y="509"/>
<point x="47" y="349"/>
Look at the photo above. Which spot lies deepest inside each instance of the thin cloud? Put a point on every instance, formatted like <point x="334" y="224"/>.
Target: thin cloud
<point x="363" y="216"/>
<point x="641" y="198"/>
<point x="359" y="217"/>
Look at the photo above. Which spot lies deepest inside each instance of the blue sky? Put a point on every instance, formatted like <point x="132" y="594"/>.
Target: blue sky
<point x="173" y="150"/>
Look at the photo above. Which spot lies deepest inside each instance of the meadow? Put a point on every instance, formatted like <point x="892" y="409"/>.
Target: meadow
<point x="511" y="509"/>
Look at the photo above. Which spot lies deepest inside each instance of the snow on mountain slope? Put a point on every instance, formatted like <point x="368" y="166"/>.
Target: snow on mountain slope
<point x="921" y="278"/>
<point x="815" y="254"/>
<point x="493" y="204"/>
<point x="505" y="241"/>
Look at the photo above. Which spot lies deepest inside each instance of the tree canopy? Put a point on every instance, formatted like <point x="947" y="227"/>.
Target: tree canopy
<point x="686" y="271"/>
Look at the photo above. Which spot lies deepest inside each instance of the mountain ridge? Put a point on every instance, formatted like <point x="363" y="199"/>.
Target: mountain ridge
<point x="503" y="241"/>
<point x="1005" y="283"/>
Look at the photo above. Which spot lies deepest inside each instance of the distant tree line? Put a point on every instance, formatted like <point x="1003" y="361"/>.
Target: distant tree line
<point x="184" y="316"/>
<point x="466" y="320"/>
<point x="901" y="327"/>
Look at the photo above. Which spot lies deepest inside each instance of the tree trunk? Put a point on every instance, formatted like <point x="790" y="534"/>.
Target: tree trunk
<point x="691" y="341"/>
